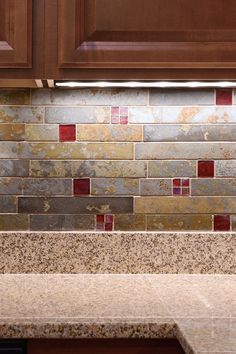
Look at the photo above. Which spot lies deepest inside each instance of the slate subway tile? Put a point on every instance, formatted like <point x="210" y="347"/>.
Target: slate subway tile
<point x="14" y="96"/>
<point x="62" y="222"/>
<point x="15" y="132"/>
<point x="198" y="115"/>
<point x="14" y="168"/>
<point x="145" y="115"/>
<point x="115" y="186"/>
<point x="214" y="187"/>
<point x="156" y="187"/>
<point x="109" y="133"/>
<point x="77" y="115"/>
<point x="74" y="205"/>
<point x="187" y="132"/>
<point x="184" y="150"/>
<point x="130" y="222"/>
<point x="21" y="114"/>
<point x="180" y="222"/>
<point x="7" y="204"/>
<point x="225" y="168"/>
<point x="181" y="97"/>
<point x="41" y="132"/>
<point x="233" y="221"/>
<point x="90" y="97"/>
<point x="10" y="185"/>
<point x="103" y="169"/>
<point x="14" y="222"/>
<point x="44" y="187"/>
<point x="188" y="205"/>
<point x="171" y="169"/>
<point x="113" y="151"/>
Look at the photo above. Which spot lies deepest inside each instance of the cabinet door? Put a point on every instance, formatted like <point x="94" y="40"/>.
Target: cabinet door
<point x="16" y="33"/>
<point x="147" y="33"/>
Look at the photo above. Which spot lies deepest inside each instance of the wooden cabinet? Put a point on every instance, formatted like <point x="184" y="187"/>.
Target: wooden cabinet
<point x="141" y="39"/>
<point x="21" y="38"/>
<point x="16" y="34"/>
<point x="104" y="346"/>
<point x="118" y="39"/>
<point x="146" y="33"/>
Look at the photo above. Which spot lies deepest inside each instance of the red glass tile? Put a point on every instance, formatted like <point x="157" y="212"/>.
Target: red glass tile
<point x="109" y="218"/>
<point x="115" y="119"/>
<point x="185" y="191"/>
<point x="221" y="223"/>
<point x="100" y="218"/>
<point x="176" y="182"/>
<point x="100" y="226"/>
<point x="115" y="111"/>
<point x="124" y="111"/>
<point x="81" y="186"/>
<point x="108" y="226"/>
<point x="205" y="169"/>
<point x="185" y="182"/>
<point x="176" y="191"/>
<point x="124" y="120"/>
<point x="224" y="96"/>
<point x="67" y="132"/>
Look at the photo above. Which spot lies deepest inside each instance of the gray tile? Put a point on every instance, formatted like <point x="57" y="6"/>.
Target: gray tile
<point x="181" y="97"/>
<point x="145" y="115"/>
<point x="14" y="168"/>
<point x="10" y="185"/>
<point x="213" y="186"/>
<point x="78" y="115"/>
<point x="7" y="204"/>
<point x="199" y="114"/>
<point x="171" y="169"/>
<point x="188" y="132"/>
<point x="90" y="97"/>
<point x="184" y="150"/>
<point x="88" y="168"/>
<point x="156" y="187"/>
<point x="21" y="114"/>
<point x="76" y="205"/>
<point x="62" y="222"/>
<point x="115" y="186"/>
<point x="44" y="187"/>
<point x="225" y="168"/>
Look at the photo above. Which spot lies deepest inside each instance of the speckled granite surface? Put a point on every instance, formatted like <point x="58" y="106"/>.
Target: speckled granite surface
<point x="117" y="252"/>
<point x="200" y="310"/>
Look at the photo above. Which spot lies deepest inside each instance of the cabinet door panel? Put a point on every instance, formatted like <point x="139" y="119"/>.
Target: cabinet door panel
<point x="16" y="34"/>
<point x="147" y="33"/>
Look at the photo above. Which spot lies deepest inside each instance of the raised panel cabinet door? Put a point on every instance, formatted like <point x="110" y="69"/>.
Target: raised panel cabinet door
<point x="15" y="33"/>
<point x="147" y="34"/>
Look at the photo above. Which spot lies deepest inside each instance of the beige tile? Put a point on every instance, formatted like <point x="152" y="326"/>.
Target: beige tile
<point x="109" y="133"/>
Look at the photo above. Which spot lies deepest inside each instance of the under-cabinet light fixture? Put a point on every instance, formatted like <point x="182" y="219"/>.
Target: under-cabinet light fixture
<point x="157" y="84"/>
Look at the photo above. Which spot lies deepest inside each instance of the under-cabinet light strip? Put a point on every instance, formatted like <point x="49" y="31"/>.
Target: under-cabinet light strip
<point x="157" y="84"/>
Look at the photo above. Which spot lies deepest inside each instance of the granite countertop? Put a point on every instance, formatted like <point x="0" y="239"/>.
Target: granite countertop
<point x="199" y="310"/>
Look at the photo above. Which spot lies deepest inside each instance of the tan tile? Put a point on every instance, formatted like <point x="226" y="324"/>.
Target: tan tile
<point x="185" y="205"/>
<point x="12" y="132"/>
<point x="38" y="132"/>
<point x="13" y="222"/>
<point x="179" y="222"/>
<point x="115" y="186"/>
<point x="129" y="222"/>
<point x="109" y="133"/>
<point x="14" y="96"/>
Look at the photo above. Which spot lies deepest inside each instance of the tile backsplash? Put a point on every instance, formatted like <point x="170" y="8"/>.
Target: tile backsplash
<point x="110" y="160"/>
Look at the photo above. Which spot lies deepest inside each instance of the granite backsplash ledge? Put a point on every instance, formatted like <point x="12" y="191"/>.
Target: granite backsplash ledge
<point x="117" y="252"/>
<point x="118" y="160"/>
